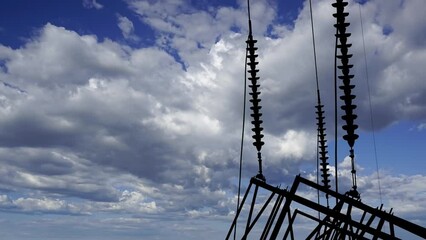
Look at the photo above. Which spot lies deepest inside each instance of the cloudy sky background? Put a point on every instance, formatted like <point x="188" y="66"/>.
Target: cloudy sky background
<point x="122" y="119"/>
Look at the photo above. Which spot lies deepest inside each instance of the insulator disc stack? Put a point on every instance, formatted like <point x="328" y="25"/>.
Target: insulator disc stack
<point x="322" y="145"/>
<point x="348" y="107"/>
<point x="255" y="100"/>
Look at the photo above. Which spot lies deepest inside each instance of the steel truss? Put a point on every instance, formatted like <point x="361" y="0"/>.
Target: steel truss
<point x="275" y="217"/>
<point x="284" y="212"/>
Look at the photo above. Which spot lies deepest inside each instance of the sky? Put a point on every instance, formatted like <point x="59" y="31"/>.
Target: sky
<point x="122" y="119"/>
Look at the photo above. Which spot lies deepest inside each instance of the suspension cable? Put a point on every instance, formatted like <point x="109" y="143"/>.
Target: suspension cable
<point x="242" y="138"/>
<point x="313" y="45"/>
<point x="370" y="105"/>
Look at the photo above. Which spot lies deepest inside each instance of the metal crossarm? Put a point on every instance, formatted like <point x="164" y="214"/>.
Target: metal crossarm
<point x="340" y="222"/>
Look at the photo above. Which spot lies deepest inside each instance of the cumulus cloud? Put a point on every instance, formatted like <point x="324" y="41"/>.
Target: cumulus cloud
<point x="86" y="111"/>
<point x="130" y="131"/>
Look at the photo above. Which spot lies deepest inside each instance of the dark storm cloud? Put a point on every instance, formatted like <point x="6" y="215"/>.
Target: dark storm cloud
<point x="31" y="129"/>
<point x="39" y="162"/>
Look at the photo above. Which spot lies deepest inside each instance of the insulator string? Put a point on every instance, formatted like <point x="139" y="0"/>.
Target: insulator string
<point x="321" y="141"/>
<point x="255" y="97"/>
<point x="317" y="84"/>
<point x="243" y="125"/>
<point x="347" y="97"/>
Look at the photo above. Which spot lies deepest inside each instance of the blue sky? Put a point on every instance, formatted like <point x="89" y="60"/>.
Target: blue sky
<point x="122" y="119"/>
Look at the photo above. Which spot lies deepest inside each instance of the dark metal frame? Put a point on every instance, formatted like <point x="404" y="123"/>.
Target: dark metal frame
<point x="339" y="222"/>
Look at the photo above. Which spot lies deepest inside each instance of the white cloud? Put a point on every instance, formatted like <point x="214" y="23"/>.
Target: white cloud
<point x="127" y="28"/>
<point x="182" y="28"/>
<point x="405" y="194"/>
<point x="292" y="146"/>
<point x="37" y="62"/>
<point x="39" y="205"/>
<point x="92" y="4"/>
